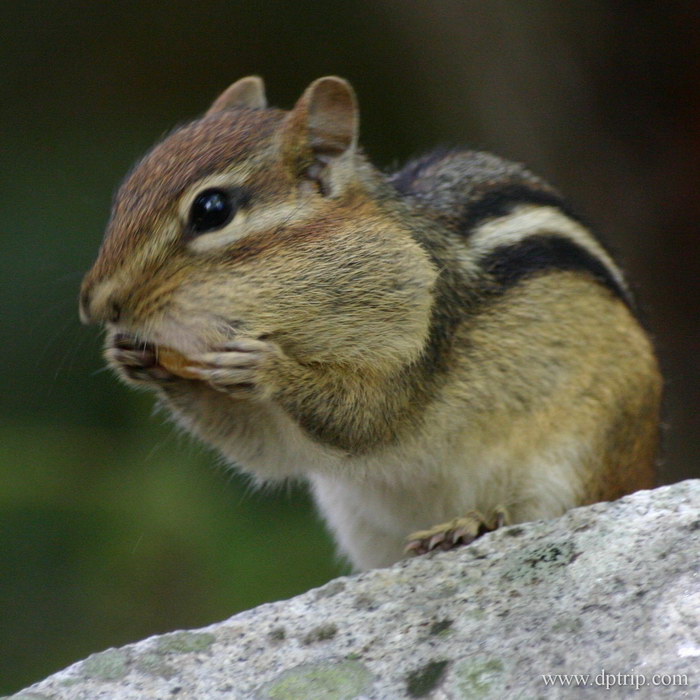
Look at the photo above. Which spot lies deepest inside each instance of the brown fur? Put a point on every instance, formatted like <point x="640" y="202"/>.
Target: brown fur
<point x="152" y="189"/>
<point x="384" y="329"/>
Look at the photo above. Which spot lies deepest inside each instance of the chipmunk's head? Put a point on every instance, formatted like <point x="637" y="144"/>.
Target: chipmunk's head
<point x="257" y="221"/>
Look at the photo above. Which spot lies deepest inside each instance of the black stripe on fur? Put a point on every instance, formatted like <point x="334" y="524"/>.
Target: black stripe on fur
<point x="507" y="265"/>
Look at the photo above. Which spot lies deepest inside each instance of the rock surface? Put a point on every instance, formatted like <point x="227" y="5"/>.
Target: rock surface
<point x="611" y="591"/>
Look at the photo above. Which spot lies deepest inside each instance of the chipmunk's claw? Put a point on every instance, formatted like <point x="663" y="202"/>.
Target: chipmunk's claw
<point x="235" y="368"/>
<point x="136" y="360"/>
<point x="455" y="533"/>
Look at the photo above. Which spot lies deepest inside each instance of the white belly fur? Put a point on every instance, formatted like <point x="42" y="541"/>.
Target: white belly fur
<point x="373" y="502"/>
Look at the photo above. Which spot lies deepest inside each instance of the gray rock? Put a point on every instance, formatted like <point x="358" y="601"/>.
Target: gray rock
<point x="611" y="592"/>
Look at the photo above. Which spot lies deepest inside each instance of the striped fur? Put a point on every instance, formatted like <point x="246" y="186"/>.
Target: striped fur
<point x="445" y="338"/>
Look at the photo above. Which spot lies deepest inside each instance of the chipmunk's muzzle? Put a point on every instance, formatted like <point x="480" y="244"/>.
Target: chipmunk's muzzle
<point x="96" y="306"/>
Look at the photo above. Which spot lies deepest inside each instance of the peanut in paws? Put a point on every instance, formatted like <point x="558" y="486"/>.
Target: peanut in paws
<point x="176" y="363"/>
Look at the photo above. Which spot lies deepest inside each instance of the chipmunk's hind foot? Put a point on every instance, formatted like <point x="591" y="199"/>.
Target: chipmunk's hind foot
<point x="455" y="533"/>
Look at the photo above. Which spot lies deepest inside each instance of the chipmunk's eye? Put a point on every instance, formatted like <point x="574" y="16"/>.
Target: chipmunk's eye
<point x="214" y="208"/>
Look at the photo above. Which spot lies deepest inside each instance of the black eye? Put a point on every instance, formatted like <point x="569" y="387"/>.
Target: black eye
<point x="214" y="208"/>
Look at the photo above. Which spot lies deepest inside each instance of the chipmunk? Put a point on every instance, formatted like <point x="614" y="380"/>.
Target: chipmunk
<point x="429" y="348"/>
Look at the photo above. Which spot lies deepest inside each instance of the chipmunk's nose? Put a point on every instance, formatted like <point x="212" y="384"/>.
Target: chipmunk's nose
<point x="98" y="306"/>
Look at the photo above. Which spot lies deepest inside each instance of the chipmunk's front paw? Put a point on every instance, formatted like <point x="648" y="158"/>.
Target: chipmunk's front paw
<point x="455" y="533"/>
<point x="242" y="368"/>
<point x="136" y="361"/>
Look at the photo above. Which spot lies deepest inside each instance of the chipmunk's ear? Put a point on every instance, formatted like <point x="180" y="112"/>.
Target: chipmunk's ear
<point x="323" y="124"/>
<point x="246" y="92"/>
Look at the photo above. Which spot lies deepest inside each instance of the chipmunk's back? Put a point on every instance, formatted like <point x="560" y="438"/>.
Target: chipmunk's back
<point x="514" y="224"/>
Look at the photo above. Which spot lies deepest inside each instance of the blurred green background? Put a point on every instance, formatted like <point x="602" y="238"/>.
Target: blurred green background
<point x="114" y="527"/>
